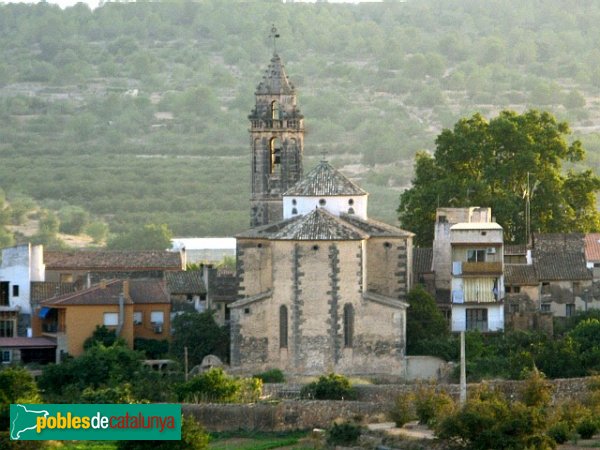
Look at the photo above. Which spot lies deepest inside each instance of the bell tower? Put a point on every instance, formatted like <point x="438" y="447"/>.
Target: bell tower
<point x="276" y="142"/>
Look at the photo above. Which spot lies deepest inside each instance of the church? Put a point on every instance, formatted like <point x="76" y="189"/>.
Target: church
<point x="321" y="287"/>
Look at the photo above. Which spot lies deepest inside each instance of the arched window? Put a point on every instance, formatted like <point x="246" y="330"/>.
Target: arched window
<point x="274" y="110"/>
<point x="294" y="211"/>
<point x="350" y="210"/>
<point x="348" y="325"/>
<point x="283" y="326"/>
<point x="275" y="150"/>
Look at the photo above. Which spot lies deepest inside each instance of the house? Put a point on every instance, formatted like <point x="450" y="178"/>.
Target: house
<point x="187" y="290"/>
<point x="88" y="267"/>
<point x="19" y="267"/>
<point x="138" y="308"/>
<point x="23" y="350"/>
<point x="468" y="265"/>
<point x="564" y="278"/>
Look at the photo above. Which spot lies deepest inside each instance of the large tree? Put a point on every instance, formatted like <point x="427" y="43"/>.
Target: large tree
<point x="489" y="163"/>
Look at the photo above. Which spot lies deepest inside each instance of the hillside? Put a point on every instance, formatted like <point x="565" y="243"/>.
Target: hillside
<point x="137" y="112"/>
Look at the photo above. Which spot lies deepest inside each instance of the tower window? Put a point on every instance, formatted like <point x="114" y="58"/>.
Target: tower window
<point x="294" y="201"/>
<point x="275" y="153"/>
<point x="322" y="202"/>
<point x="294" y="211"/>
<point x="351" y="202"/>
<point x="350" y="210"/>
<point x="275" y="110"/>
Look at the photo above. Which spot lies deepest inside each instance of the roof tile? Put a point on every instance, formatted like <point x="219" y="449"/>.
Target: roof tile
<point x="112" y="260"/>
<point x="324" y="180"/>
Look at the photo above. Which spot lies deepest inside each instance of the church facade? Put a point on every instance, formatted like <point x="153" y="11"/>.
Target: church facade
<point x="321" y="286"/>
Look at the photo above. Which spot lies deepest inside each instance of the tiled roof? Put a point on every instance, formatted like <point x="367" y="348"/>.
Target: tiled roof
<point x="560" y="266"/>
<point x="520" y="275"/>
<point x="140" y="291"/>
<point x="324" y="180"/>
<point x="113" y="260"/>
<point x="275" y="80"/>
<point x="592" y="247"/>
<point x="558" y="242"/>
<point x="185" y="282"/>
<point x="319" y="225"/>
<point x="375" y="228"/>
<point x="41" y="290"/>
<point x="23" y="342"/>
<point x="422" y="259"/>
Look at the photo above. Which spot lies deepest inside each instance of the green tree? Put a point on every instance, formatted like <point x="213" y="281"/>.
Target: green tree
<point x="148" y="237"/>
<point x="424" y="321"/>
<point x="101" y="335"/>
<point x="201" y="335"/>
<point x="73" y="219"/>
<point x="97" y="231"/>
<point x="487" y="163"/>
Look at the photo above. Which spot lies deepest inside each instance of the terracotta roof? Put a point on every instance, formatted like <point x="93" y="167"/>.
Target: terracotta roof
<point x="592" y="247"/>
<point x="520" y="275"/>
<point x="375" y="228"/>
<point x="23" y="342"/>
<point x="108" y="293"/>
<point x="422" y="260"/>
<point x="319" y="225"/>
<point x="113" y="260"/>
<point x="185" y="282"/>
<point x="275" y="80"/>
<point x="324" y="180"/>
<point x="558" y="242"/>
<point x="560" y="266"/>
<point x="41" y="290"/>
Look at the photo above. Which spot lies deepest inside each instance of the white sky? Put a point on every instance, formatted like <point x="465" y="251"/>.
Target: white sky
<point x="94" y="3"/>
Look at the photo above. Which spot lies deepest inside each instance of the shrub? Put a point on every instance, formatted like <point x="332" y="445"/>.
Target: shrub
<point x="560" y="432"/>
<point x="152" y="348"/>
<point x="193" y="437"/>
<point x="215" y="385"/>
<point x="587" y="428"/>
<point x="430" y="405"/>
<point x="402" y="411"/>
<point x="343" y="434"/>
<point x="271" y="376"/>
<point x="329" y="387"/>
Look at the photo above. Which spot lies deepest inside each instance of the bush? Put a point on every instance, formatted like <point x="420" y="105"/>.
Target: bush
<point x="402" y="411"/>
<point x="329" y="387"/>
<point x="215" y="385"/>
<point x="152" y="348"/>
<point x="431" y="405"/>
<point x="343" y="434"/>
<point x="271" y="376"/>
<point x="587" y="428"/>
<point x="560" y="432"/>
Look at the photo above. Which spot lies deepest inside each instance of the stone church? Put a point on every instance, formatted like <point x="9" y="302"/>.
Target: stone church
<point x="321" y="286"/>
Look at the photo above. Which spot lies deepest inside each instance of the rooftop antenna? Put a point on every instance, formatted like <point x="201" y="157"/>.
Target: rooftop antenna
<point x="274" y="35"/>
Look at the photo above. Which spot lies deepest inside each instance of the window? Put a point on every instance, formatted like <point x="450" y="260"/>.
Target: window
<point x="474" y="255"/>
<point x="350" y="210"/>
<point x="66" y="277"/>
<point x="15" y="290"/>
<point x="545" y="287"/>
<point x="6" y="356"/>
<point x="294" y="202"/>
<point x="137" y="317"/>
<point x="322" y="201"/>
<point x="351" y="202"/>
<point x="4" y="293"/>
<point x="577" y="290"/>
<point x="111" y="319"/>
<point x="294" y="211"/>
<point x="348" y="325"/>
<point x="7" y="328"/>
<point x="275" y="150"/>
<point x="283" y="327"/>
<point x="570" y="309"/>
<point x="157" y="317"/>
<point x="545" y="307"/>
<point x="246" y="310"/>
<point x="275" y="110"/>
<point x="477" y="319"/>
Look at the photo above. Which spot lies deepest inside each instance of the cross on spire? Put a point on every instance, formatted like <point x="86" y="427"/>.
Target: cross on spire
<point x="274" y="35"/>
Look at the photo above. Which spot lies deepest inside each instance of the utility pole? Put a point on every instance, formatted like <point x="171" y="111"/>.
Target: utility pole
<point x="185" y="361"/>
<point x="463" y="371"/>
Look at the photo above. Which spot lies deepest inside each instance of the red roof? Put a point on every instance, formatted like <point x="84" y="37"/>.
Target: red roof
<point x="113" y="260"/>
<point x="592" y="247"/>
<point x="24" y="342"/>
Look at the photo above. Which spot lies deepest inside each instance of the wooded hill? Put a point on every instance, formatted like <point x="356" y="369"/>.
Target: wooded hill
<point x="137" y="112"/>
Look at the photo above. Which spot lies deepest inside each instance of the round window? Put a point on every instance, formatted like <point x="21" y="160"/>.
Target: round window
<point x="322" y="202"/>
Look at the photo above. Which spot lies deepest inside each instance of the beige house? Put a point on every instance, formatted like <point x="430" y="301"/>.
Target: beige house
<point x="322" y="290"/>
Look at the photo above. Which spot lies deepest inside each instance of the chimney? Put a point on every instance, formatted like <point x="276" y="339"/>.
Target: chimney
<point x="126" y="289"/>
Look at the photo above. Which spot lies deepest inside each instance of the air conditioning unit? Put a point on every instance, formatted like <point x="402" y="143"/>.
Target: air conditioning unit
<point x="158" y="328"/>
<point x="491" y="251"/>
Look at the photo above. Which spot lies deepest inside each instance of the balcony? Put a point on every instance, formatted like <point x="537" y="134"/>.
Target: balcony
<point x="481" y="268"/>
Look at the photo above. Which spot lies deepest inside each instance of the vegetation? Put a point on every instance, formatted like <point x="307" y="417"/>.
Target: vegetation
<point x="499" y="163"/>
<point x="201" y="335"/>
<point x="271" y="376"/>
<point x="101" y="335"/>
<point x="345" y="433"/>
<point x="403" y="409"/>
<point x="136" y="112"/>
<point x="329" y="387"/>
<point x="214" y="386"/>
<point x="424" y="322"/>
<point x="193" y="437"/>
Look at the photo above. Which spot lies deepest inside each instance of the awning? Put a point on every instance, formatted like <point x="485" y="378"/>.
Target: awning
<point x="44" y="312"/>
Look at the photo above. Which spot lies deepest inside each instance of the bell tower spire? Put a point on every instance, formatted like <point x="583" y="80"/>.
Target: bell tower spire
<point x="276" y="141"/>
